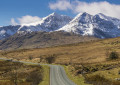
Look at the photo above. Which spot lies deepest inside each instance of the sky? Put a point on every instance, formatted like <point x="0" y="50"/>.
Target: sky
<point x="13" y="12"/>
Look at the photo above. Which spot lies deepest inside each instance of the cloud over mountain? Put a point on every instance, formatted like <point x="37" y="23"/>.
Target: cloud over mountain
<point x="92" y="8"/>
<point x="25" y="20"/>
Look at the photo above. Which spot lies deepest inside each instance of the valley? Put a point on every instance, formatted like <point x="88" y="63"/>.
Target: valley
<point x="90" y="56"/>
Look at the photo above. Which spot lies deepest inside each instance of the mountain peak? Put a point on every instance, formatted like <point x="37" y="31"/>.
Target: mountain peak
<point x="85" y="14"/>
<point x="101" y="14"/>
<point x="54" y="14"/>
<point x="82" y="17"/>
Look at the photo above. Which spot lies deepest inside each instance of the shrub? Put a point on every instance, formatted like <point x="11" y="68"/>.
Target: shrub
<point x="97" y="80"/>
<point x="51" y="59"/>
<point x="113" y="56"/>
<point x="119" y="72"/>
<point x="35" y="77"/>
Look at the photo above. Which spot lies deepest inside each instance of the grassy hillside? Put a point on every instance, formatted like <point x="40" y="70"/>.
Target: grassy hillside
<point x="90" y="52"/>
<point x="41" y="39"/>
<point x="92" y="56"/>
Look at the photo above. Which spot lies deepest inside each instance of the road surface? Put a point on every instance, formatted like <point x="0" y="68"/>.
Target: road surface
<point x="58" y="76"/>
<point x="57" y="73"/>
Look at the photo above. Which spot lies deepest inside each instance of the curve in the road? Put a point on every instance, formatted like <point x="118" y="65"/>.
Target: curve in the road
<point x="57" y="73"/>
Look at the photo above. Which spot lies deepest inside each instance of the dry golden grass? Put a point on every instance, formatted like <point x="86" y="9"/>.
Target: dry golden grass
<point x="8" y="71"/>
<point x="90" y="52"/>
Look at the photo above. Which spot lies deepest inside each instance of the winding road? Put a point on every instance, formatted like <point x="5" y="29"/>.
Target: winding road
<point x="57" y="74"/>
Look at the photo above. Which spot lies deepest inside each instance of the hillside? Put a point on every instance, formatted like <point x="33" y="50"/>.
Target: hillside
<point x="90" y="52"/>
<point x="41" y="40"/>
<point x="90" y="57"/>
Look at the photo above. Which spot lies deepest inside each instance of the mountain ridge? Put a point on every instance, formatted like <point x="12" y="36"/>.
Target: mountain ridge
<point x="49" y="23"/>
<point x="99" y="25"/>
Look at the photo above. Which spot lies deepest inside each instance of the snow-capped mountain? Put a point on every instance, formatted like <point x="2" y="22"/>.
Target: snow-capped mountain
<point x="114" y="20"/>
<point x="7" y="31"/>
<point x="99" y="25"/>
<point x="52" y="22"/>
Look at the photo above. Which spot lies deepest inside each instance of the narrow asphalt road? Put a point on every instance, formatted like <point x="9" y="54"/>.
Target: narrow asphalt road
<point x="57" y="74"/>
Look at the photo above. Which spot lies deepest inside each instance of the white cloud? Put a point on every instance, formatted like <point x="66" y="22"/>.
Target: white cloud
<point x="60" y="4"/>
<point x="28" y="19"/>
<point x="25" y="20"/>
<point x="13" y="22"/>
<point x="92" y="8"/>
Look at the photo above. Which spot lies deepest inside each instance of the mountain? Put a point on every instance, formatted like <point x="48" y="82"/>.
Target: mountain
<point x="99" y="25"/>
<point x="52" y="22"/>
<point x="7" y="31"/>
<point x="114" y="20"/>
<point x="41" y="40"/>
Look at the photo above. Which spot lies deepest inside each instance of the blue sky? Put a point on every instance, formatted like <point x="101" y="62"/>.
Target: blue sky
<point x="18" y="8"/>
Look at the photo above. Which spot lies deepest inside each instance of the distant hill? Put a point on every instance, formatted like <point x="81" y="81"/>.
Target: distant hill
<point x="41" y="40"/>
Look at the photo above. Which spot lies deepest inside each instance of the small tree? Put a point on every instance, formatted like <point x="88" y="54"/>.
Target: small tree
<point x="113" y="56"/>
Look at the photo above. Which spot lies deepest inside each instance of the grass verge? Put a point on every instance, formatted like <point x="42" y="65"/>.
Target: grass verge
<point x="79" y="80"/>
<point x="46" y="78"/>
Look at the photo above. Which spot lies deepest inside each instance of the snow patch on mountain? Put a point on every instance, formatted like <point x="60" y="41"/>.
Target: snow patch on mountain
<point x="89" y="31"/>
